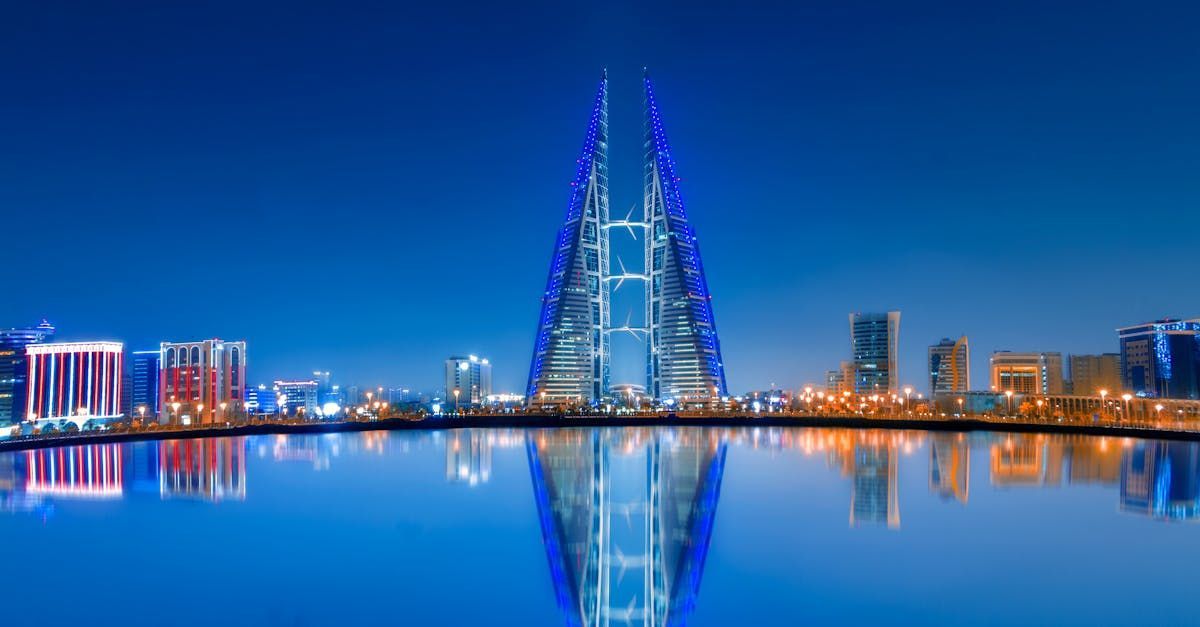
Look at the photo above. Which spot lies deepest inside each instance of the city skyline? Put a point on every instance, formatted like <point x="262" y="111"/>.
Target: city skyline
<point x="787" y="167"/>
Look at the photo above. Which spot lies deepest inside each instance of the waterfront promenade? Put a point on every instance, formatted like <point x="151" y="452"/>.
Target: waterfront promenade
<point x="1165" y="430"/>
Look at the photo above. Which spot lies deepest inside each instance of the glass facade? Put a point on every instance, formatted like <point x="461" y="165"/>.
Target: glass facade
<point x="1162" y="358"/>
<point x="14" y="366"/>
<point x="570" y="361"/>
<point x="144" y="382"/>
<point x="874" y="344"/>
<point x="683" y="353"/>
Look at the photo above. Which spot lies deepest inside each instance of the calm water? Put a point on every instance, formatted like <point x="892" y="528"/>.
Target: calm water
<point x="603" y="526"/>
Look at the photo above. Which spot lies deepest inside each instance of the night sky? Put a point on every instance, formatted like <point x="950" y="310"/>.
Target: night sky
<point x="369" y="188"/>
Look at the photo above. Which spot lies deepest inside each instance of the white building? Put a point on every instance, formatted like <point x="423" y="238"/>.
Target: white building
<point x="471" y="377"/>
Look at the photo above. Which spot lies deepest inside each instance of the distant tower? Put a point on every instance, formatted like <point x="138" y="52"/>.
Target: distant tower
<point x="571" y="351"/>
<point x="683" y="354"/>
<point x="874" y="346"/>
<point x="949" y="366"/>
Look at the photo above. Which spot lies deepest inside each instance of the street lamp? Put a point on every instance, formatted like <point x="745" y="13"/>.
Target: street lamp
<point x="1009" y="394"/>
<point x="1103" y="395"/>
<point x="1039" y="405"/>
<point x="1125" y="397"/>
<point x="175" y="406"/>
<point x="960" y="408"/>
<point x="458" y="391"/>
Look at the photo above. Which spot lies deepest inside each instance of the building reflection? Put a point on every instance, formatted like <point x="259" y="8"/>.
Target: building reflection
<point x="89" y="472"/>
<point x="208" y="469"/>
<point x="626" y="518"/>
<point x="1162" y="480"/>
<point x="950" y="466"/>
<point x="468" y="456"/>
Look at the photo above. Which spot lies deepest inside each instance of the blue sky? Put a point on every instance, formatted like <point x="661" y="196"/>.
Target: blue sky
<point x="368" y="188"/>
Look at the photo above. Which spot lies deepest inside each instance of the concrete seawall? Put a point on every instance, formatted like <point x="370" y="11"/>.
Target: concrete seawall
<point x="533" y="421"/>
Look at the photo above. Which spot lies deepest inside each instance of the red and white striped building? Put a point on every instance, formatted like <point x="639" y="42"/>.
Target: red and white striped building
<point x="76" y="381"/>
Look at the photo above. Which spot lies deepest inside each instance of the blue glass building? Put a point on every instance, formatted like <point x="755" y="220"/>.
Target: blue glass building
<point x="144" y="383"/>
<point x="1161" y="358"/>
<point x="14" y="367"/>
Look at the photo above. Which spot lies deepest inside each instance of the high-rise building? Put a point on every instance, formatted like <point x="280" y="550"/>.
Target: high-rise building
<point x="145" y="383"/>
<point x="206" y="379"/>
<point x="572" y="354"/>
<point x="1092" y="373"/>
<point x="471" y="377"/>
<point x="874" y="346"/>
<point x="297" y="395"/>
<point x="950" y="366"/>
<point x="74" y="382"/>
<point x="1161" y="358"/>
<point x="14" y="368"/>
<point x="571" y="351"/>
<point x="683" y="353"/>
<point x="1027" y="373"/>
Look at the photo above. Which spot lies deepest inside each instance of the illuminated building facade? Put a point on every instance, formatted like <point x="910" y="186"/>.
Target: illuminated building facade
<point x="874" y="347"/>
<point x="1092" y="373"/>
<point x="683" y="353"/>
<point x="572" y="350"/>
<point x="201" y="377"/>
<point x="950" y="366"/>
<point x="471" y="376"/>
<point x="74" y="382"/>
<point x="1027" y="373"/>
<point x="1162" y="358"/>
<point x="261" y="400"/>
<point x="145" y="383"/>
<point x="14" y="368"/>
<point x="295" y="396"/>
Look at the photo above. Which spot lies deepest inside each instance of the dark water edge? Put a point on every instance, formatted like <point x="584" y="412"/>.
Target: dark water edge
<point x="554" y="421"/>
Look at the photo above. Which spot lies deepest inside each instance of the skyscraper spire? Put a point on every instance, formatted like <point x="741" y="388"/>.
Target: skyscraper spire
<point x="571" y="351"/>
<point x="683" y="354"/>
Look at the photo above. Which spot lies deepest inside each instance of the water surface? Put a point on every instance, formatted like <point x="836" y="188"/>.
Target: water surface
<point x="603" y="526"/>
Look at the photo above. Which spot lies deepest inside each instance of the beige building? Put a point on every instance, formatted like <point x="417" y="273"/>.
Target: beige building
<point x="1092" y="373"/>
<point x="1027" y="373"/>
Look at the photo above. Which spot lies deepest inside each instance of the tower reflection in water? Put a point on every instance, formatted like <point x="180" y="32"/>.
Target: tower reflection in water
<point x="626" y="518"/>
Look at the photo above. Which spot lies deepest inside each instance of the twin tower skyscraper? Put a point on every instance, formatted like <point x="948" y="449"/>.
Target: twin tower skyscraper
<point x="573" y="348"/>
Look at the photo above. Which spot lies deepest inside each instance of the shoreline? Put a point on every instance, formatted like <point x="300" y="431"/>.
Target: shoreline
<point x="550" y="421"/>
